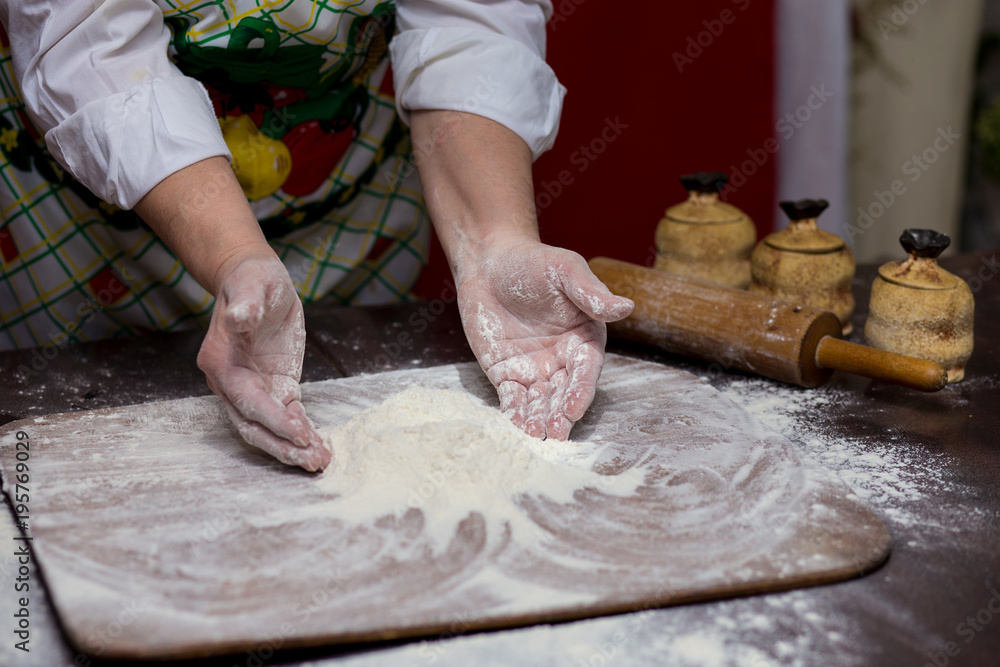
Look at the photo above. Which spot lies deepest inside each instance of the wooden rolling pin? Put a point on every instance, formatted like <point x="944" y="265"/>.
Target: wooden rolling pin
<point x="751" y="332"/>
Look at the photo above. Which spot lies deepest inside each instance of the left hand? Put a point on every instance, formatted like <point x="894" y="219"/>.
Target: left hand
<point x="535" y="317"/>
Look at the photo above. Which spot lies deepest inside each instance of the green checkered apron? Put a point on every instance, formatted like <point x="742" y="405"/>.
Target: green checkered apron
<point x="306" y="85"/>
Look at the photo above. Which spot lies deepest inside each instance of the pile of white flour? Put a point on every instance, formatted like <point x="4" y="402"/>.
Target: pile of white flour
<point x="447" y="454"/>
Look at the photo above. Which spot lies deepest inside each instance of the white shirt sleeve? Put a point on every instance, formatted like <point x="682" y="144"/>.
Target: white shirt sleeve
<point x="485" y="57"/>
<point x="96" y="79"/>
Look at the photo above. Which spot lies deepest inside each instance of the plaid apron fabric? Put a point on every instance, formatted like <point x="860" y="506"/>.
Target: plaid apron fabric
<point x="309" y="82"/>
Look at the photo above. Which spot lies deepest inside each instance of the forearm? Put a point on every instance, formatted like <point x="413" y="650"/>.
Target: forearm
<point x="203" y="216"/>
<point x="534" y="314"/>
<point x="476" y="176"/>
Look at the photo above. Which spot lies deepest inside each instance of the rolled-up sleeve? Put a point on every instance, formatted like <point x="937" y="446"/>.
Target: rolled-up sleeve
<point x="486" y="58"/>
<point x="97" y="80"/>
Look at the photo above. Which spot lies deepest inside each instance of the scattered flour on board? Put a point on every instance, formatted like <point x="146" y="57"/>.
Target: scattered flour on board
<point x="446" y="453"/>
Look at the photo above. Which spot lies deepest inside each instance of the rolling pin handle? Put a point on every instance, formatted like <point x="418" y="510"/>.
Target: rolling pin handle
<point x="841" y="355"/>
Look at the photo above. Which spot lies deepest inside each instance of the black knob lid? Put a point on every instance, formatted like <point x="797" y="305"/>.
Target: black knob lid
<point x="803" y="209"/>
<point x="924" y="242"/>
<point x="704" y="181"/>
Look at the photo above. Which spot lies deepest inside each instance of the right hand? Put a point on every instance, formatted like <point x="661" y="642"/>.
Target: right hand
<point x="252" y="358"/>
<point x="536" y="319"/>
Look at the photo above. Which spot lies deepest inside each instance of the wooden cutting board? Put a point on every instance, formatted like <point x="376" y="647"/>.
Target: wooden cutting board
<point x="160" y="535"/>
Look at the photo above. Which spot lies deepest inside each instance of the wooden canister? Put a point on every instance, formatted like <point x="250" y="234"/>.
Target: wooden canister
<point x="805" y="264"/>
<point x="919" y="309"/>
<point x="704" y="238"/>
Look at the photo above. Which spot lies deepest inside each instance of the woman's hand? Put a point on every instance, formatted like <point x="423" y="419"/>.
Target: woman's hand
<point x="252" y="354"/>
<point x="252" y="358"/>
<point x="535" y="318"/>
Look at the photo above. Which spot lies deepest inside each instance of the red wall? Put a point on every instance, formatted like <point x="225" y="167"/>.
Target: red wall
<point x="665" y="104"/>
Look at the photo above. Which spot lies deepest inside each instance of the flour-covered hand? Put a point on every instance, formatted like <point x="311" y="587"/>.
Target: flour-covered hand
<point x="535" y="317"/>
<point x="252" y="358"/>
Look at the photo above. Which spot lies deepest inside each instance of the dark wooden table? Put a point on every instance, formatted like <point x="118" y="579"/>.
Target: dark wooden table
<point x="928" y="463"/>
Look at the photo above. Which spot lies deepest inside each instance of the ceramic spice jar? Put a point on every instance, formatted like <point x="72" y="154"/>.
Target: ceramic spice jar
<point x="705" y="238"/>
<point x="804" y="264"/>
<point x="921" y="310"/>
